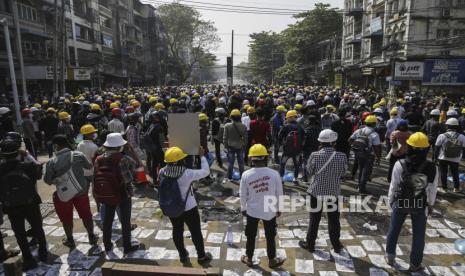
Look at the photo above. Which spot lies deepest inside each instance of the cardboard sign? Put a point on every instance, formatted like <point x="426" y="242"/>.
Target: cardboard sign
<point x="184" y="132"/>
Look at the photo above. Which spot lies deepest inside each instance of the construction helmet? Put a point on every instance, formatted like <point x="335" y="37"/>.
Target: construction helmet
<point x="330" y="108"/>
<point x="37" y="105"/>
<point x="258" y="150"/>
<point x="116" y="111"/>
<point x="371" y="119"/>
<point x="327" y="136"/>
<point x="235" y="113"/>
<point x="298" y="107"/>
<point x="64" y="115"/>
<point x="393" y="111"/>
<point x="291" y="114"/>
<point x="152" y="99"/>
<point x="95" y="107"/>
<point x="44" y="102"/>
<point x="159" y="106"/>
<point x="174" y="154"/>
<point x="463" y="111"/>
<point x="280" y="108"/>
<point x="436" y="112"/>
<point x="88" y="129"/>
<point x="135" y="104"/>
<point x="173" y="101"/>
<point x="418" y="140"/>
<point x="452" y="122"/>
<point x="250" y="110"/>
<point x="114" y="105"/>
<point x="203" y="117"/>
<point x="51" y="110"/>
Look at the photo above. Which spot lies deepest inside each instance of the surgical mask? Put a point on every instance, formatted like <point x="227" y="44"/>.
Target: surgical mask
<point x="94" y="136"/>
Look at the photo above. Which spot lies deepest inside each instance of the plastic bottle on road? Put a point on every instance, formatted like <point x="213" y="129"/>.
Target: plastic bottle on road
<point x="229" y="236"/>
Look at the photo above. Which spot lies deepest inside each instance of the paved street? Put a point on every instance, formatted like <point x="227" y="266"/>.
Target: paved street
<point x="219" y="204"/>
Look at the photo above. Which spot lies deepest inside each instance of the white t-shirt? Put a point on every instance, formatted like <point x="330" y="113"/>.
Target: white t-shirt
<point x="373" y="138"/>
<point x="246" y="121"/>
<point x="256" y="184"/>
<point x="88" y="148"/>
<point x="441" y="141"/>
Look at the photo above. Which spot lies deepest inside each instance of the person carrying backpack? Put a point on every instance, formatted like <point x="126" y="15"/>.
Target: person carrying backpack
<point x="114" y="172"/>
<point x="177" y="201"/>
<point x="433" y="128"/>
<point x="21" y="202"/>
<point x="448" y="153"/>
<point x="291" y="137"/>
<point x="412" y="191"/>
<point x="235" y="139"/>
<point x="366" y="146"/>
<point x="258" y="185"/>
<point x="66" y="171"/>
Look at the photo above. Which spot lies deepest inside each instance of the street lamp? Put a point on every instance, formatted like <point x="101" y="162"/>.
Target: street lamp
<point x="6" y="31"/>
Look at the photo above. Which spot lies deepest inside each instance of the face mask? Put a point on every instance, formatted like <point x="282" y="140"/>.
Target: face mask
<point x="94" y="136"/>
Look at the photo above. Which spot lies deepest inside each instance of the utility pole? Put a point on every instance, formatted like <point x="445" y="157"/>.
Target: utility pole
<point x="14" y="6"/>
<point x="55" y="53"/>
<point x="11" y="65"/>
<point x="232" y="58"/>
<point x="63" y="48"/>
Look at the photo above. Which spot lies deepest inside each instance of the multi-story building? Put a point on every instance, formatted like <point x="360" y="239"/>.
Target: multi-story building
<point x="108" y="43"/>
<point x="381" y="38"/>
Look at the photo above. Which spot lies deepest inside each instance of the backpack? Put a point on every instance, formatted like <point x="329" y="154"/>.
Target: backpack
<point x="381" y="129"/>
<point x="311" y="137"/>
<point x="361" y="145"/>
<point x="411" y="194"/>
<point x="17" y="188"/>
<point x="292" y="143"/>
<point x="67" y="184"/>
<point x="147" y="141"/>
<point x="452" y="147"/>
<point x="108" y="182"/>
<point x="171" y="201"/>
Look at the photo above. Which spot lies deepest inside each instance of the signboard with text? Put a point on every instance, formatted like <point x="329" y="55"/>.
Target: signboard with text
<point x="444" y="72"/>
<point x="409" y="70"/>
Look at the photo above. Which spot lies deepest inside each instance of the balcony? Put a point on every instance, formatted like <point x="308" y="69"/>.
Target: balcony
<point x="356" y="39"/>
<point x="356" y="12"/>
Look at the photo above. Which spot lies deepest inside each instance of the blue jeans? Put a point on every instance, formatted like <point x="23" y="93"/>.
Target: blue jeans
<point x="295" y="160"/>
<point x="232" y="153"/>
<point x="418" y="236"/>
<point x="365" y="166"/>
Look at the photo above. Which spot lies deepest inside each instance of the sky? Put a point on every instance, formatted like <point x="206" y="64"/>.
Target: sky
<point x="245" y="24"/>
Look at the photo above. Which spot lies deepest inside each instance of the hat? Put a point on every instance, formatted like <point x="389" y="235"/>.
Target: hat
<point x="327" y="136"/>
<point x="4" y="110"/>
<point x="114" y="140"/>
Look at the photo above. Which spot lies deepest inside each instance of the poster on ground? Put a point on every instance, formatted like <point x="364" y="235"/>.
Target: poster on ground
<point x="184" y="132"/>
<point x="444" y="72"/>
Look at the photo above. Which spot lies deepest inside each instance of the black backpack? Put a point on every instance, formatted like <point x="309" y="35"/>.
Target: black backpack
<point x="311" y="137"/>
<point x="17" y="188"/>
<point x="452" y="147"/>
<point x="361" y="145"/>
<point x="293" y="143"/>
<point x="147" y="141"/>
<point x="411" y="194"/>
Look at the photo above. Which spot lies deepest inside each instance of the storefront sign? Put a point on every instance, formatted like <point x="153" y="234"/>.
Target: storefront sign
<point x="444" y="72"/>
<point x="82" y="74"/>
<point x="410" y="70"/>
<point x="338" y="80"/>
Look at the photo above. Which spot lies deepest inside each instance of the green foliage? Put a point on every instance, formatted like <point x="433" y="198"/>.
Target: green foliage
<point x="190" y="38"/>
<point x="265" y="55"/>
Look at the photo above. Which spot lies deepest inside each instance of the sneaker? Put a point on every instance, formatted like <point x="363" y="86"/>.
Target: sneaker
<point x="306" y="246"/>
<point x="132" y="248"/>
<point x="390" y="260"/>
<point x="108" y="247"/>
<point x="184" y="259"/>
<point x="93" y="239"/>
<point x="338" y="249"/>
<point x="442" y="190"/>
<point x="206" y="259"/>
<point x="415" y="268"/>
<point x="29" y="264"/>
<point x="276" y="262"/>
<point x="68" y="243"/>
<point x="457" y="190"/>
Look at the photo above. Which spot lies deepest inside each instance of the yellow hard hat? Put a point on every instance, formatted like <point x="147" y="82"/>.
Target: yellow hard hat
<point x="159" y="106"/>
<point x="371" y="119"/>
<point x="173" y="101"/>
<point x="331" y="108"/>
<point x="270" y="93"/>
<point x="298" y="107"/>
<point x="44" y="102"/>
<point x="280" y="108"/>
<point x="135" y="104"/>
<point x="291" y="114"/>
<point x="463" y="111"/>
<point x="196" y="95"/>
<point x="261" y="95"/>
<point x="51" y="110"/>
<point x="114" y="105"/>
<point x="88" y="129"/>
<point x="246" y="107"/>
<point x="130" y="97"/>
<point x="393" y="111"/>
<point x="235" y="113"/>
<point x="174" y="154"/>
<point x="67" y="101"/>
<point x="152" y="99"/>
<point x="95" y="107"/>
<point x="418" y="140"/>
<point x="258" y="150"/>
<point x="250" y="110"/>
<point x="203" y="117"/>
<point x="37" y="105"/>
<point x="63" y="115"/>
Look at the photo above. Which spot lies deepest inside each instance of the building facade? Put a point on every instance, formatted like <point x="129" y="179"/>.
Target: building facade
<point x="383" y="38"/>
<point x="108" y="43"/>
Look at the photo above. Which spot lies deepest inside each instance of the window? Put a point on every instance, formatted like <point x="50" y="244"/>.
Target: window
<point x="27" y="13"/>
<point x="442" y="33"/>
<point x="460" y="4"/>
<point x="107" y="41"/>
<point x="459" y="32"/>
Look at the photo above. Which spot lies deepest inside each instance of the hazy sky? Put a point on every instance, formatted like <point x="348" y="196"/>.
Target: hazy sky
<point x="245" y="24"/>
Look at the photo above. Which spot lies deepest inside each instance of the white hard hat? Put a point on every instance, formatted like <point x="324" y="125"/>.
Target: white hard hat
<point x="114" y="140"/>
<point x="34" y="109"/>
<point x="299" y="97"/>
<point x="435" y="112"/>
<point x="222" y="100"/>
<point x="363" y="101"/>
<point x="220" y="110"/>
<point x="327" y="136"/>
<point x="245" y="102"/>
<point x="452" y="112"/>
<point x="378" y="110"/>
<point x="4" y="110"/>
<point x="311" y="103"/>
<point x="452" y="122"/>
<point x="85" y="103"/>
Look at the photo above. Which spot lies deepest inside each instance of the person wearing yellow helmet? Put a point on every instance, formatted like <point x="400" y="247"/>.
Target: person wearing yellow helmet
<point x="277" y="122"/>
<point x="65" y="127"/>
<point x="175" y="179"/>
<point x="253" y="204"/>
<point x="413" y="171"/>
<point x="88" y="147"/>
<point x="235" y="139"/>
<point x="366" y="145"/>
<point x="291" y="137"/>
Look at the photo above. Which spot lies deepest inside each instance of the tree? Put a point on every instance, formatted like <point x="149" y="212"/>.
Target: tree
<point x="189" y="38"/>
<point x="266" y="54"/>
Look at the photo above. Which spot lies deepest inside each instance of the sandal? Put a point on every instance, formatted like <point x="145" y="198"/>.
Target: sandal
<point x="245" y="260"/>
<point x="276" y="262"/>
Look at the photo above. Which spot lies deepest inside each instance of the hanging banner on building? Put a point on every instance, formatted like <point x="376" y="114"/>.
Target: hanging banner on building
<point x="338" y="80"/>
<point x="444" y="72"/>
<point x="410" y="70"/>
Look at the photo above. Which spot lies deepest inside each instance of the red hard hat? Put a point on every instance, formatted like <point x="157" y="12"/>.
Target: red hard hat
<point x="26" y="111"/>
<point x="365" y="115"/>
<point x="108" y="102"/>
<point x="129" y="109"/>
<point x="116" y="111"/>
